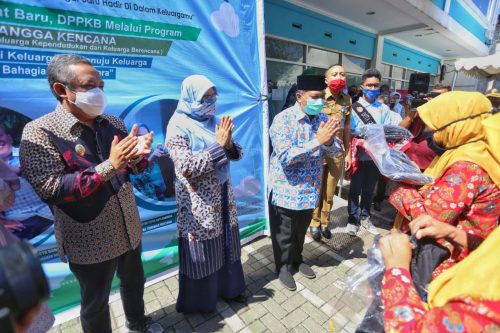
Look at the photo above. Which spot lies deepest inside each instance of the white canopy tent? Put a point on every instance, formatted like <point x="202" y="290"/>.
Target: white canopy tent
<point x="487" y="67"/>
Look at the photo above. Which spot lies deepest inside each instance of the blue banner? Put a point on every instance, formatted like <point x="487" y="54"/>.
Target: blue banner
<point x="143" y="51"/>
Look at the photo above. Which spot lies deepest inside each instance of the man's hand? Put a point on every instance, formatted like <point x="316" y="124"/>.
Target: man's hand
<point x="396" y="250"/>
<point x="144" y="142"/>
<point x="122" y="151"/>
<point x="12" y="225"/>
<point x="426" y="226"/>
<point x="326" y="131"/>
<point x="348" y="160"/>
<point x="224" y="132"/>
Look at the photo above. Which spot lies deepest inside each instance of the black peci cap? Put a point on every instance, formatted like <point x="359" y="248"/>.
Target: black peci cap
<point x="311" y="82"/>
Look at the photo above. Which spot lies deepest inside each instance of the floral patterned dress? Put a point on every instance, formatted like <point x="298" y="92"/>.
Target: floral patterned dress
<point x="207" y="221"/>
<point x="405" y="312"/>
<point x="463" y="196"/>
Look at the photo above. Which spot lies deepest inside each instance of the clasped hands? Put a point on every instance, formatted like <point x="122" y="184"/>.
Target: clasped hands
<point x="224" y="132"/>
<point x="129" y="148"/>
<point x="326" y="131"/>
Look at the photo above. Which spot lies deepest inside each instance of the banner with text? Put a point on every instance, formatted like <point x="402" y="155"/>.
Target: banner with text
<point x="143" y="50"/>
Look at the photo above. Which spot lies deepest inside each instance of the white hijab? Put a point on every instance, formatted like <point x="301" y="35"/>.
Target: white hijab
<point x="193" y="89"/>
<point x="199" y="130"/>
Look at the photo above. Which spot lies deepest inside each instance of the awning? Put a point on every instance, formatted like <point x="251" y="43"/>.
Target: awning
<point x="480" y="67"/>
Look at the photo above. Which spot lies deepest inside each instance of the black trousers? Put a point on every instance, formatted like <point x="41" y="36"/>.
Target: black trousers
<point x="380" y="189"/>
<point x="95" y="286"/>
<point x="288" y="230"/>
<point x="363" y="183"/>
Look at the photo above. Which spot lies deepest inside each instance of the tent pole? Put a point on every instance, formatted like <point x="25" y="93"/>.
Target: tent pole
<point x="454" y="80"/>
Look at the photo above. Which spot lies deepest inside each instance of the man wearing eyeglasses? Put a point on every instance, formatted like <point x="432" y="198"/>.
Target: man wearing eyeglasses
<point x="367" y="110"/>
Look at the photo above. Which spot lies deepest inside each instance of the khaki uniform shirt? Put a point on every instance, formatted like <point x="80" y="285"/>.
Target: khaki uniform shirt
<point x="338" y="107"/>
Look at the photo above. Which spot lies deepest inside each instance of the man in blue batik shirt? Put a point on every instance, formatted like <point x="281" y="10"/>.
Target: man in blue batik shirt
<point x="301" y="136"/>
<point x="367" y="110"/>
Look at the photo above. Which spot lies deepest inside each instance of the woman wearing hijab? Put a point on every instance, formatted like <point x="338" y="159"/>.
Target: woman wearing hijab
<point x="465" y="298"/>
<point x="208" y="233"/>
<point x="461" y="207"/>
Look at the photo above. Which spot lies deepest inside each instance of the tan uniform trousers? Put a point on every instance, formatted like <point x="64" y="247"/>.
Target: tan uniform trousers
<point x="331" y="175"/>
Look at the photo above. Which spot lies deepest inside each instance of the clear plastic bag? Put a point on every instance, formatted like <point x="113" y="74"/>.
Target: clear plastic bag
<point x="365" y="285"/>
<point x="392" y="163"/>
<point x="359" y="283"/>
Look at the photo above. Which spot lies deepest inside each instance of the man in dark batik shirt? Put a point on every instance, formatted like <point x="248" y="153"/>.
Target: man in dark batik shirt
<point x="78" y="160"/>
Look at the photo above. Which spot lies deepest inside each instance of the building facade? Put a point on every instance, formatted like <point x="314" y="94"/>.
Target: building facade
<point x="399" y="37"/>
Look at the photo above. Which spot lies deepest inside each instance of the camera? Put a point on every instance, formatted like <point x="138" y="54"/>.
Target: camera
<point x="416" y="99"/>
<point x="23" y="284"/>
<point x="418" y="90"/>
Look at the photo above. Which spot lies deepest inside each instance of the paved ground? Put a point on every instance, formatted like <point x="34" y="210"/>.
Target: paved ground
<point x="319" y="305"/>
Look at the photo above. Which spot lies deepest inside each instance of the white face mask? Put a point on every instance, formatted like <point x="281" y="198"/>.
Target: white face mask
<point x="92" y="101"/>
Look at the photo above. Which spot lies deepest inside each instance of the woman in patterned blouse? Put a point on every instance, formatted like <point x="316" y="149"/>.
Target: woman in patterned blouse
<point x="465" y="298"/>
<point x="208" y="233"/>
<point x="462" y="205"/>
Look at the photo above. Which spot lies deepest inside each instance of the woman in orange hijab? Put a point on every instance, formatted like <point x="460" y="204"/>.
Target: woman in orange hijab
<point x="461" y="207"/>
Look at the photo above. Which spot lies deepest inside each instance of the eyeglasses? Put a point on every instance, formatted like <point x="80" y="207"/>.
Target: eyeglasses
<point x="209" y="96"/>
<point x="372" y="85"/>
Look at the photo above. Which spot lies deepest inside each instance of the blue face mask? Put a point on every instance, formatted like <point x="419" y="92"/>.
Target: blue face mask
<point x="371" y="95"/>
<point x="210" y="101"/>
<point x="314" y="106"/>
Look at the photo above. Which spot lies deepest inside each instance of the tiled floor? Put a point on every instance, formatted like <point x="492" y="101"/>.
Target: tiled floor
<point x="320" y="305"/>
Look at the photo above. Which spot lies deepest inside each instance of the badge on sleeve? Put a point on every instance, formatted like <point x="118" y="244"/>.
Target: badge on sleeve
<point x="80" y="149"/>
